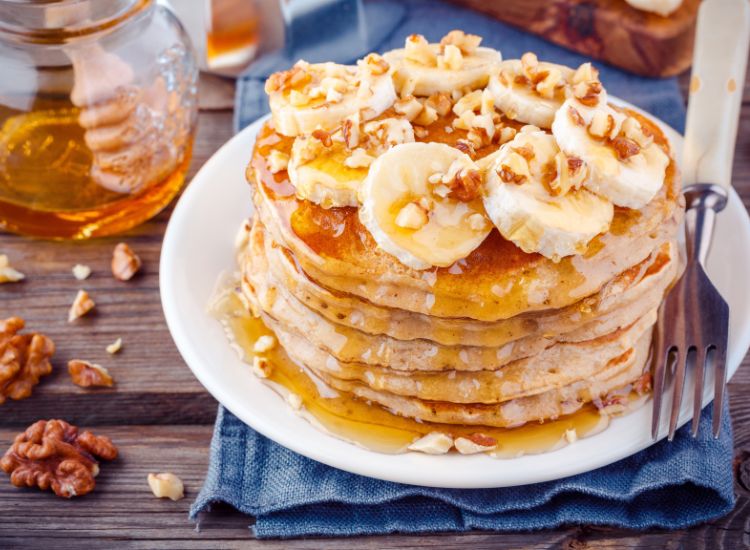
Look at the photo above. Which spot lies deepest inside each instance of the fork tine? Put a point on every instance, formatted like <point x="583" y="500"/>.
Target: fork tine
<point x="660" y="374"/>
<point x="700" y="363"/>
<point x="679" y="385"/>
<point x="720" y="382"/>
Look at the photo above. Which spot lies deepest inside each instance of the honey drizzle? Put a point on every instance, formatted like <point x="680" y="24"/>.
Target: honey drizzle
<point x="372" y="426"/>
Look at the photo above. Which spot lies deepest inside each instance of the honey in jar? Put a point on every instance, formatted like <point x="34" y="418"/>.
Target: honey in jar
<point x="97" y="115"/>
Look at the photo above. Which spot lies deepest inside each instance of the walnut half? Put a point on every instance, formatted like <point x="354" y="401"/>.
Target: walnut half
<point x="53" y="454"/>
<point x="88" y="375"/>
<point x="24" y="359"/>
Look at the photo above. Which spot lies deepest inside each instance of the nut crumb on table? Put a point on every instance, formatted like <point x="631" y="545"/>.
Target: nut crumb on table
<point x="89" y="375"/>
<point x="24" y="359"/>
<point x="54" y="454"/>
<point x="81" y="272"/>
<point x="166" y="485"/>
<point x="7" y="273"/>
<point x="81" y="306"/>
<point x="125" y="262"/>
<point x="114" y="347"/>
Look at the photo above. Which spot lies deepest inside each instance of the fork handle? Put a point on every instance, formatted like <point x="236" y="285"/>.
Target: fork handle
<point x="702" y="201"/>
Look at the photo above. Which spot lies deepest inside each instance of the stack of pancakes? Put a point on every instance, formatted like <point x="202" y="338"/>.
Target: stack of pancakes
<point x="499" y="338"/>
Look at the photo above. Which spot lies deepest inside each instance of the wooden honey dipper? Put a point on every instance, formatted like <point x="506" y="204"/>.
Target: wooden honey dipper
<point x="122" y="121"/>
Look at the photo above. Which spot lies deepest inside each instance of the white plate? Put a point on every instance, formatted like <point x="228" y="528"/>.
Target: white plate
<point x="198" y="246"/>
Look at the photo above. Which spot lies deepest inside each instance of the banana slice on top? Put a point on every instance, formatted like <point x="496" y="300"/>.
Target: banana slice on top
<point x="309" y="97"/>
<point x="625" y="164"/>
<point x="423" y="69"/>
<point x="421" y="203"/>
<point x="328" y="169"/>
<point x="533" y="195"/>
<point x="531" y="91"/>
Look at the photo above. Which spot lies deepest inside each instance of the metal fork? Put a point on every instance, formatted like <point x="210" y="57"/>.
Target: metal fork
<point x="693" y="324"/>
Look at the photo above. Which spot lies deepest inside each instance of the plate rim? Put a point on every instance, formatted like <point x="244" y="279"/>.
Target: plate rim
<point x="415" y="467"/>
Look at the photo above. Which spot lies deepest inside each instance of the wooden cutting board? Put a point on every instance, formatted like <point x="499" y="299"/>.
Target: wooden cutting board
<point x="608" y="30"/>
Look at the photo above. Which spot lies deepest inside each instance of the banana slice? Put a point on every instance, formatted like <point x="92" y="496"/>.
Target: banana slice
<point x="309" y="97"/>
<point x="533" y="195"/>
<point x="423" y="69"/>
<point x="329" y="170"/>
<point x="421" y="203"/>
<point x="662" y="7"/>
<point x="531" y="91"/>
<point x="626" y="166"/>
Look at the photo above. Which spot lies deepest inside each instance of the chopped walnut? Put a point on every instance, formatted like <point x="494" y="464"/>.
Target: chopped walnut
<point x="585" y="73"/>
<point x="440" y="102"/>
<point x="465" y="146"/>
<point x="426" y="116"/>
<point x="89" y="375"/>
<point x="515" y="169"/>
<point x="24" y="359"/>
<point x="470" y="102"/>
<point x="408" y="106"/>
<point x="601" y="124"/>
<point x="475" y="443"/>
<point x="277" y="161"/>
<point x="625" y="147"/>
<point x="563" y="174"/>
<point x="350" y="131"/>
<point x="264" y="343"/>
<point x="53" y="454"/>
<point x="375" y="64"/>
<point x="323" y="137"/>
<point x="81" y="306"/>
<point x="295" y="77"/>
<point x="575" y="116"/>
<point x="467" y="43"/>
<point x="421" y="132"/>
<point x="418" y="50"/>
<point x="466" y="185"/>
<point x="526" y="151"/>
<point x="451" y="59"/>
<point x="81" y="272"/>
<point x="262" y="367"/>
<point x="412" y="216"/>
<point x="166" y="485"/>
<point x="125" y="262"/>
<point x="358" y="159"/>
<point x="433" y="443"/>
<point x="588" y="93"/>
<point x="7" y="273"/>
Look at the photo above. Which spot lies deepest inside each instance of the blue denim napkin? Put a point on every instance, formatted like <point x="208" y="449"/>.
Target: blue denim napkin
<point x="670" y="485"/>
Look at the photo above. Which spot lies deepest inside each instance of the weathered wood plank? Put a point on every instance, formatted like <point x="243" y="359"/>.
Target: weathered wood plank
<point x="121" y="511"/>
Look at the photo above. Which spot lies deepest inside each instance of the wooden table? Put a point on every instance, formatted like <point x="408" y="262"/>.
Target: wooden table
<point x="161" y="417"/>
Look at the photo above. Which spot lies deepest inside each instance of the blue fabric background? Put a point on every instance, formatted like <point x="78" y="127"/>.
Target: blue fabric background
<point x="669" y="485"/>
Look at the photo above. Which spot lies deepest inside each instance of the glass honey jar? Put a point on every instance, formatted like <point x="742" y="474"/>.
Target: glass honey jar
<point x="98" y="109"/>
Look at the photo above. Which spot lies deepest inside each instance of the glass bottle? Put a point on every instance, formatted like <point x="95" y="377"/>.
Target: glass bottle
<point x="98" y="109"/>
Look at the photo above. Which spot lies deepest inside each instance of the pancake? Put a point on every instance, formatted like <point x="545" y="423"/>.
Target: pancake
<point x="554" y="367"/>
<point x="496" y="281"/>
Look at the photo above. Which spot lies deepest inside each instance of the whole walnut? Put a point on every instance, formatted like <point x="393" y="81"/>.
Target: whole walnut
<point x="53" y="454"/>
<point x="24" y="359"/>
